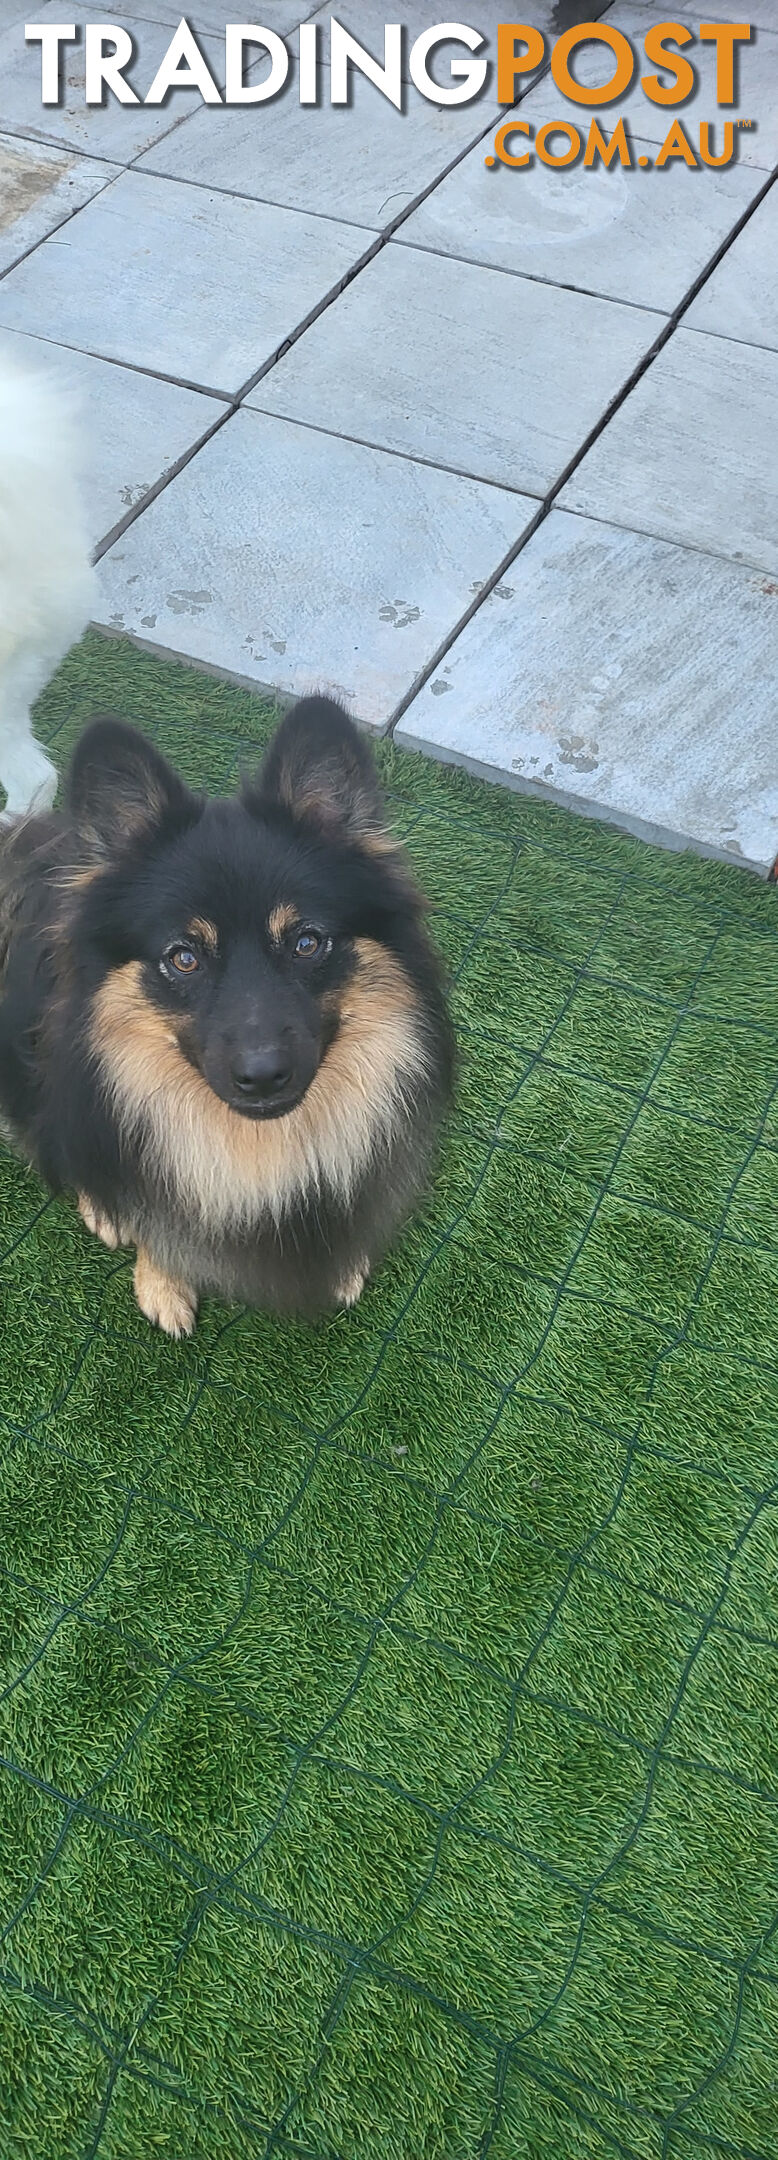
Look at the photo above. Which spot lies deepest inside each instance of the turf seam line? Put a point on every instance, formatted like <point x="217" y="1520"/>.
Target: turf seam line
<point x="195" y="1869"/>
<point x="161" y="2075"/>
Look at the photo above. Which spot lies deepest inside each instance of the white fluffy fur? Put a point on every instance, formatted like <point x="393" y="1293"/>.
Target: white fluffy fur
<point x="47" y="585"/>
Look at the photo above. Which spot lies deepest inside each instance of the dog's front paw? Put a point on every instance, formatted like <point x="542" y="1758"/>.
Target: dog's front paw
<point x="101" y="1226"/>
<point x="169" y="1305"/>
<point x="349" y="1290"/>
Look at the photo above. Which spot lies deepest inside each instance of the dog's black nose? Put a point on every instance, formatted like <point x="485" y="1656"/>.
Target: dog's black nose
<point x="261" y="1074"/>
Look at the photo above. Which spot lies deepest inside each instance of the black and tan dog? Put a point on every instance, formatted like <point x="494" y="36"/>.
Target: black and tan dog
<point x="222" y="1023"/>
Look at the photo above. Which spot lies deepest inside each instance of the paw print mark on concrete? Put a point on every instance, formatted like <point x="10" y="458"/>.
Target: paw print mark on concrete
<point x="187" y="601"/>
<point x="399" y="613"/>
<point x="580" y="751"/>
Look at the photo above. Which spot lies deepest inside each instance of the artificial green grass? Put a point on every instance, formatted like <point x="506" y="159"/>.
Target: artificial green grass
<point x="388" y="1734"/>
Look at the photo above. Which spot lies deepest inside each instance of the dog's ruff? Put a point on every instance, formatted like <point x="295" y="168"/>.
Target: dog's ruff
<point x="233" y="1174"/>
<point x="47" y="586"/>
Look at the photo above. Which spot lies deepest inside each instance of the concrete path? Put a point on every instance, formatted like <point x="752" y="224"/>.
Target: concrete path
<point x="491" y="452"/>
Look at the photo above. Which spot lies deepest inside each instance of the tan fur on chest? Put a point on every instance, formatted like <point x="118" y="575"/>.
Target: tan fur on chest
<point x="228" y="1170"/>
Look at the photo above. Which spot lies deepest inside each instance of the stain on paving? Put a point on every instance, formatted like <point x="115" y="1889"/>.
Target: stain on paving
<point x="188" y="602"/>
<point x="399" y="613"/>
<point x="25" y="180"/>
<point x="579" y="751"/>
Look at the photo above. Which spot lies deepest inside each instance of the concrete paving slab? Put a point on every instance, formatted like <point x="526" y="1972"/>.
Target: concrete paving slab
<point x="740" y="300"/>
<point x="113" y="131"/>
<point x="133" y="428"/>
<point x="757" y="85"/>
<point x="209" y="285"/>
<point x="490" y="375"/>
<point x="285" y="558"/>
<point x="364" y="162"/>
<point x="759" y="14"/>
<point x="623" y="232"/>
<point x="11" y="12"/>
<point x="655" y="706"/>
<point x="686" y="456"/>
<point x="205" y="15"/>
<point x="40" y="188"/>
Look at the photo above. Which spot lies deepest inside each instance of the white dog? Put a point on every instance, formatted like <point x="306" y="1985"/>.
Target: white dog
<point x="47" y="585"/>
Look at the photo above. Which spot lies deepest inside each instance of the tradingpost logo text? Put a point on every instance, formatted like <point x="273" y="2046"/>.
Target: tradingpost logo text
<point x="662" y="69"/>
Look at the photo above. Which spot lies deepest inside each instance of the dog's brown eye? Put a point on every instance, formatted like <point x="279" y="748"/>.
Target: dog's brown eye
<point x="309" y="943"/>
<point x="183" y="959"/>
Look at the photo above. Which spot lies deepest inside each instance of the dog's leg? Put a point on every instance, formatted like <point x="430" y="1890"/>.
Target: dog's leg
<point x="28" y="776"/>
<point x="109" y="1233"/>
<point x="349" y="1290"/>
<point x="168" y="1304"/>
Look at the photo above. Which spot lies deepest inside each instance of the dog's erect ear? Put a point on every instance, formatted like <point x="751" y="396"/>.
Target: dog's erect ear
<point x="121" y="789"/>
<point x="320" y="770"/>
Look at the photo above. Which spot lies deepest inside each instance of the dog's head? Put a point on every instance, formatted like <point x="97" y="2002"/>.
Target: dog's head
<point x="244" y="932"/>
